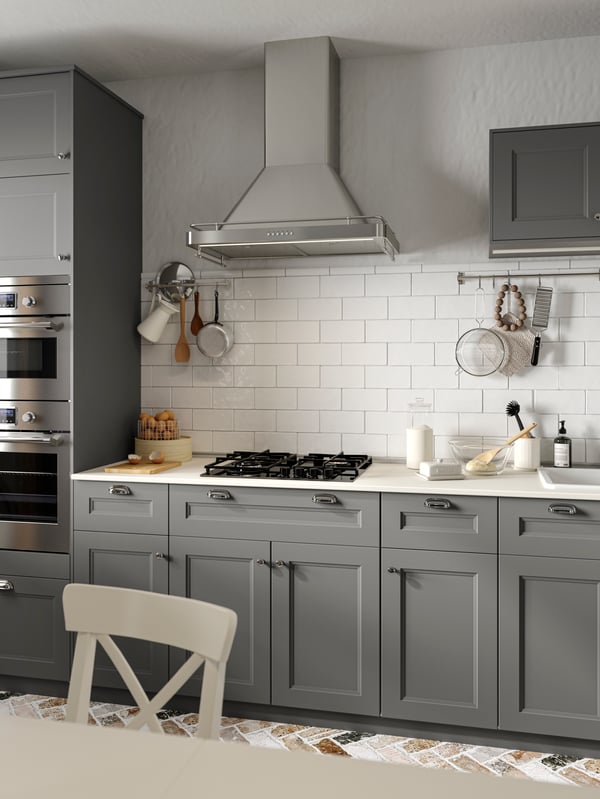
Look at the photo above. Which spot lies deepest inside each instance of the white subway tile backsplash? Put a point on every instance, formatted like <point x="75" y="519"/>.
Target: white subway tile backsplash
<point x="298" y="376"/>
<point x="343" y="331"/>
<point x="328" y="356"/>
<point x="284" y="354"/>
<point x="313" y="399"/>
<point x="365" y="308"/>
<point x="388" y="330"/>
<point x="372" y="353"/>
<point x="343" y="376"/>
<point x="277" y="310"/>
<point x="364" y="399"/>
<point x="298" y="421"/>
<point x="322" y="354"/>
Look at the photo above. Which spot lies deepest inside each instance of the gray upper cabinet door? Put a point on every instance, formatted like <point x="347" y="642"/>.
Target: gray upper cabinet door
<point x="126" y="561"/>
<point x="554" y="528"/>
<point x="432" y="521"/>
<point x="438" y="631"/>
<point x="236" y="575"/>
<point x="325" y="612"/>
<point x="545" y="189"/>
<point x="36" y="225"/>
<point x="548" y="637"/>
<point x="36" y="125"/>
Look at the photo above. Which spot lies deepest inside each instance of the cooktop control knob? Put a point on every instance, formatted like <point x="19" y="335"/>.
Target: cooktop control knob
<point x="29" y="416"/>
<point x="29" y="301"/>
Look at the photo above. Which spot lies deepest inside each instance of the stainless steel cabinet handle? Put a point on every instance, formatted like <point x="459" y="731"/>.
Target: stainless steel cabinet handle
<point x="63" y="156"/>
<point x="325" y="499"/>
<point x="160" y="555"/>
<point x="569" y="510"/>
<point x="261" y="562"/>
<point x="6" y="585"/>
<point x="280" y="563"/>
<point x="597" y="217"/>
<point x="64" y="257"/>
<point x="120" y="490"/>
<point x="218" y="494"/>
<point x="393" y="570"/>
<point x="437" y="502"/>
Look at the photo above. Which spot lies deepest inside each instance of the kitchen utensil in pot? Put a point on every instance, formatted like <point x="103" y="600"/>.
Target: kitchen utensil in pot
<point x="213" y="339"/>
<point x="479" y="351"/>
<point x="541" y="314"/>
<point x="197" y="322"/>
<point x="182" y="348"/>
<point x="482" y="461"/>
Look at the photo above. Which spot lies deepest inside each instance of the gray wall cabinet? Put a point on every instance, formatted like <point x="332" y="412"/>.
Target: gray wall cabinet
<point x="34" y="642"/>
<point x="545" y="190"/>
<point x="322" y="613"/>
<point x="549" y="617"/>
<point x="439" y="637"/>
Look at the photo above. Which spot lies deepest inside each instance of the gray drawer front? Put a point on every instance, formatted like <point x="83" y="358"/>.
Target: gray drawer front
<point x="550" y="527"/>
<point x="144" y="509"/>
<point x="438" y="522"/>
<point x="276" y="514"/>
<point x="34" y="564"/>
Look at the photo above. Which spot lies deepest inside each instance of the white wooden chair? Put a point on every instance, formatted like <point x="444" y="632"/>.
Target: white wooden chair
<point x="97" y="612"/>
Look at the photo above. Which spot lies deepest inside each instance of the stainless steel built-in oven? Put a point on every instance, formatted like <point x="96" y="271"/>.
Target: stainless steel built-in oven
<point x="34" y="475"/>
<point x="35" y="338"/>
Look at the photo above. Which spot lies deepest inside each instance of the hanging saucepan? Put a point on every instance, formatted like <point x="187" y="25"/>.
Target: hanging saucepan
<point x="214" y="340"/>
<point x="480" y="351"/>
<point x="175" y="282"/>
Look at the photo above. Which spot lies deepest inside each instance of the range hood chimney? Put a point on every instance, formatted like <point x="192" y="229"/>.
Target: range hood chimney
<point x="298" y="204"/>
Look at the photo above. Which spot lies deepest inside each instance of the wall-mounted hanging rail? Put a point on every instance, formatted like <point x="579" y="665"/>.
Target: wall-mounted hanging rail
<point x="461" y="277"/>
<point x="152" y="285"/>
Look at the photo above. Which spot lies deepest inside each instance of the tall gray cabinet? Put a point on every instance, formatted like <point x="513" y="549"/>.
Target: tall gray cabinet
<point x="71" y="206"/>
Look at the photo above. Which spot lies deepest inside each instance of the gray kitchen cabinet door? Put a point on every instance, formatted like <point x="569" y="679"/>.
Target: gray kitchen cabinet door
<point x="545" y="185"/>
<point x="325" y="638"/>
<point x="438" y="632"/>
<point x="36" y="125"/>
<point x="34" y="642"/>
<point x="434" y="521"/>
<point x="235" y="574"/>
<point x="126" y="561"/>
<point x="548" y="638"/>
<point x="121" y="507"/>
<point x="36" y="225"/>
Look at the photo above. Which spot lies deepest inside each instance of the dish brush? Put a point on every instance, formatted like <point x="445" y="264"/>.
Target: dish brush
<point x="512" y="409"/>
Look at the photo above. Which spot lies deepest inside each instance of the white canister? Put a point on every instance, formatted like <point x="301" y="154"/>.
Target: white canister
<point x="419" y="445"/>
<point x="526" y="454"/>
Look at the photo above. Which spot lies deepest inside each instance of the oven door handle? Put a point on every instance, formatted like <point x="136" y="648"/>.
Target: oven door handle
<point x="54" y="439"/>
<point x="34" y="324"/>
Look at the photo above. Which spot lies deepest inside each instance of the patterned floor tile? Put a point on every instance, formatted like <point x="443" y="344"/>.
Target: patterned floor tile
<point x="427" y="753"/>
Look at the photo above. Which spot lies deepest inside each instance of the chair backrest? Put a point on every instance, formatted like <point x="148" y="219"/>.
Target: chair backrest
<point x="98" y="612"/>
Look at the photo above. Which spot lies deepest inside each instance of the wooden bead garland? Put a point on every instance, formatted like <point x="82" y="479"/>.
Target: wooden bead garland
<point x="519" y="317"/>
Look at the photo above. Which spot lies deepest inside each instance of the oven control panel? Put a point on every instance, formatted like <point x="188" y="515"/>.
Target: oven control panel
<point x="8" y="299"/>
<point x="35" y="415"/>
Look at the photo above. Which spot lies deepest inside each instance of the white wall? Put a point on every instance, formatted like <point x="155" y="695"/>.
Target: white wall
<point x="329" y="353"/>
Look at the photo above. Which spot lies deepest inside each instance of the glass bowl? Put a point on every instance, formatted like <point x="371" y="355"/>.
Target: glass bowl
<point x="466" y="448"/>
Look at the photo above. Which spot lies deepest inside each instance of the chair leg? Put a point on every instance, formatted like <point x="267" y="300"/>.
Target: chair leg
<point x="211" y="700"/>
<point x="80" y="686"/>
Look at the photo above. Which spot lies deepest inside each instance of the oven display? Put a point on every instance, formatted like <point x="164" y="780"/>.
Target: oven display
<point x="8" y="300"/>
<point x="8" y="415"/>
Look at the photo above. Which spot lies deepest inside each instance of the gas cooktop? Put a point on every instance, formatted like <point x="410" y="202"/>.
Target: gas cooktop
<point x="288" y="466"/>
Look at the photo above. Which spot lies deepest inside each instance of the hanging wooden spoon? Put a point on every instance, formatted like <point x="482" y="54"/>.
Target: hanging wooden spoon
<point x="182" y="348"/>
<point x="197" y="322"/>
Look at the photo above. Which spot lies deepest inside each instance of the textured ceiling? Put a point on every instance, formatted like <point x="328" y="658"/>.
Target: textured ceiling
<point x="120" y="39"/>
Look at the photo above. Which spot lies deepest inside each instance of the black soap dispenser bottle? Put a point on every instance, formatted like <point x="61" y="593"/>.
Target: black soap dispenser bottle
<point x="562" y="447"/>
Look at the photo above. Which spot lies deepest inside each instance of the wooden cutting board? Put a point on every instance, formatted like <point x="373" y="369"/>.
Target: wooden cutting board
<point x="141" y="468"/>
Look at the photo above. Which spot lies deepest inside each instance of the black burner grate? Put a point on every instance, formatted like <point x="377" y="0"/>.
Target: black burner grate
<point x="288" y="466"/>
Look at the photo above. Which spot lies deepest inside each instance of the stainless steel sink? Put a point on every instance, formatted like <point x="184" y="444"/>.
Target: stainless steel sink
<point x="573" y="479"/>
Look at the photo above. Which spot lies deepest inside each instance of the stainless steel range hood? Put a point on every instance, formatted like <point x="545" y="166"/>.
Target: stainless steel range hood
<point x="298" y="204"/>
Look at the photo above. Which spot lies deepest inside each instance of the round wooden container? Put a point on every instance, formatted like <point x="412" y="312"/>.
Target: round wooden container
<point x="179" y="449"/>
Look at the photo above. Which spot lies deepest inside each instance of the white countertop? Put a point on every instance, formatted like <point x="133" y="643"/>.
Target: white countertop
<point x="380" y="476"/>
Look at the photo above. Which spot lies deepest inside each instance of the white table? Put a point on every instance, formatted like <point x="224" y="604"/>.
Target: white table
<point x="57" y="760"/>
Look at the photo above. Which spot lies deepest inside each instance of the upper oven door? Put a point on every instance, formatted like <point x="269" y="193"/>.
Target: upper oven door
<point x="34" y="358"/>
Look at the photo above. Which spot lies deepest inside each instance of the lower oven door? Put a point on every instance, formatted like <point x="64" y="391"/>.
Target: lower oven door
<point x="35" y="491"/>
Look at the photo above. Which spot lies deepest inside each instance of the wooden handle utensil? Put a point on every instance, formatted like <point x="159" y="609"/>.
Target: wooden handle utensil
<point x="479" y="462"/>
